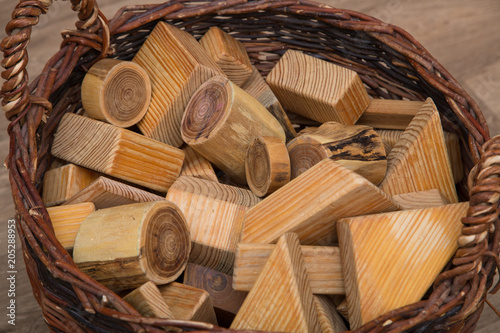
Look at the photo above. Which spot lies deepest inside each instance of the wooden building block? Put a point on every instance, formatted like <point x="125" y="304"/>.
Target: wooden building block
<point x="105" y="193"/>
<point x="229" y="53"/>
<point x="311" y="204"/>
<point x="419" y="161"/>
<point x="424" y="199"/>
<point x="322" y="265"/>
<point x="389" y="114"/>
<point x="304" y="85"/>
<point x="343" y="310"/>
<point x="407" y="249"/>
<point x="62" y="183"/>
<point x="117" y="152"/>
<point x="358" y="148"/>
<point x="259" y="89"/>
<point x="66" y="221"/>
<point x="329" y="318"/>
<point x="177" y="65"/>
<point x="188" y="303"/>
<point x="125" y="246"/>
<point x="148" y="300"/>
<point x="195" y="165"/>
<point x="214" y="213"/>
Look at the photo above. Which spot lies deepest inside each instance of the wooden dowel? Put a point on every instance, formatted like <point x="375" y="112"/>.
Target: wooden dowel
<point x="389" y="114"/>
<point x="148" y="300"/>
<point x="195" y="165"/>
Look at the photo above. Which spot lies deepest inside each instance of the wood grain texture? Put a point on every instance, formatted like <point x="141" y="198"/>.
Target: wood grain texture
<point x="195" y="165"/>
<point x="419" y="161"/>
<point x="300" y="82"/>
<point x="214" y="213"/>
<point x="338" y="192"/>
<point x="330" y="320"/>
<point x="322" y="264"/>
<point x="389" y="114"/>
<point x="177" y="65"/>
<point x="117" y="152"/>
<point x="412" y="247"/>
<point x="149" y="302"/>
<point x="281" y="299"/>
<point x="423" y="199"/>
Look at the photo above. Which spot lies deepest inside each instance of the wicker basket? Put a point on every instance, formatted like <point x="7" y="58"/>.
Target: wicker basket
<point x="392" y="65"/>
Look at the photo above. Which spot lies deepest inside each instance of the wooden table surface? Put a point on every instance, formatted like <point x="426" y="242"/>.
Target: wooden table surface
<point x="463" y="35"/>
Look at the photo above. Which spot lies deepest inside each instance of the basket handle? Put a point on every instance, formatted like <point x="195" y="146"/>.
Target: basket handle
<point x="15" y="91"/>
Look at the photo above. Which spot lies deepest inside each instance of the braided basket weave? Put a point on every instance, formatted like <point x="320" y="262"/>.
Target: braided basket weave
<point x="390" y="62"/>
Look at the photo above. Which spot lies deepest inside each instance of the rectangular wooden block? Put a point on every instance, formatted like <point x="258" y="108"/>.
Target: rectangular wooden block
<point x="389" y="114"/>
<point x="148" y="300"/>
<point x="424" y="199"/>
<point x="195" y="165"/>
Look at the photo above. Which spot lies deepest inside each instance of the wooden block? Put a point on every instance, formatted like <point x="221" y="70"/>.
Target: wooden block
<point x="389" y="114"/>
<point x="408" y="248"/>
<point x="267" y="165"/>
<point x="63" y="182"/>
<point x="117" y="152"/>
<point x="419" y="161"/>
<point x="322" y="265"/>
<point x="303" y="84"/>
<point x="57" y="163"/>
<point x="195" y="165"/>
<point x="106" y="193"/>
<point x="343" y="310"/>
<point x="310" y="205"/>
<point x="222" y="120"/>
<point x="67" y="219"/>
<point x="116" y="91"/>
<point x="214" y="213"/>
<point x="148" y="300"/>
<point x="258" y="88"/>
<point x="229" y="53"/>
<point x="329" y="318"/>
<point x="358" y="148"/>
<point x="281" y="299"/>
<point x="125" y="246"/>
<point x="188" y="303"/>
<point x="424" y="199"/>
<point x="177" y="65"/>
<point x="218" y="285"/>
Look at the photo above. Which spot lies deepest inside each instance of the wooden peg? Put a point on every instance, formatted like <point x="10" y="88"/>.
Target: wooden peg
<point x="117" y="152"/>
<point x="292" y="208"/>
<point x="221" y="121"/>
<point x="195" y="165"/>
<point x="281" y="299"/>
<point x="382" y="251"/>
<point x="125" y="246"/>
<point x="358" y="148"/>
<point x="303" y="85"/>
<point x="116" y="91"/>
<point x="267" y="165"/>
<point x="229" y="53"/>
<point x="148" y="300"/>
<point x="329" y="318"/>
<point x="214" y="213"/>
<point x="177" y="66"/>
<point x="322" y="264"/>
<point x="424" y="199"/>
<point x="389" y="114"/>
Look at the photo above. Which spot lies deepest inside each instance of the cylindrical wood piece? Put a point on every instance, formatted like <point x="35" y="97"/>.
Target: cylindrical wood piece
<point x="126" y="246"/>
<point x="267" y="165"/>
<point x="116" y="91"/>
<point x="222" y="120"/>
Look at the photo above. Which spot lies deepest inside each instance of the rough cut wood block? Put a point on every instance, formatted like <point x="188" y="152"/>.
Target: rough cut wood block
<point x="148" y="300"/>
<point x="177" y="66"/>
<point x="125" y="246"/>
<point x="57" y="163"/>
<point x="330" y="320"/>
<point x="229" y="53"/>
<point x="311" y="204"/>
<point x="62" y="183"/>
<point x="105" y="193"/>
<point x="195" y="165"/>
<point x="258" y="88"/>
<point x="424" y="199"/>
<point x="419" y="161"/>
<point x="317" y="89"/>
<point x="214" y="213"/>
<point x="322" y="264"/>
<point x="188" y="303"/>
<point x="358" y="148"/>
<point x="66" y="221"/>
<point x="222" y="120"/>
<point x="389" y="114"/>
<point x="407" y="248"/>
<point x="281" y="299"/>
<point x="343" y="310"/>
<point x="117" y="152"/>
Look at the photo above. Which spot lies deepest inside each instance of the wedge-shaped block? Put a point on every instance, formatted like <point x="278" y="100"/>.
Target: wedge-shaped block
<point x="177" y="65"/>
<point x="117" y="152"/>
<point x="195" y="165"/>
<point x="317" y="89"/>
<point x="281" y="299"/>
<point x="311" y="204"/>
<point x="330" y="320"/>
<point x="382" y="251"/>
<point x="148" y="300"/>
<point x="389" y="114"/>
<point x="424" y="199"/>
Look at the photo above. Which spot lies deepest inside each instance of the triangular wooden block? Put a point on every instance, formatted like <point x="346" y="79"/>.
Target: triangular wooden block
<point x="330" y="320"/>
<point x="148" y="300"/>
<point x="197" y="166"/>
<point x="380" y="253"/>
<point x="419" y="161"/>
<point x="281" y="299"/>
<point x="419" y="200"/>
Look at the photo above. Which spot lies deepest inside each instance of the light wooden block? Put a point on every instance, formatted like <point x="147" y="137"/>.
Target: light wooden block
<point x="195" y="165"/>
<point x="389" y="114"/>
<point x="424" y="199"/>
<point x="407" y="248"/>
<point x="330" y="320"/>
<point x="149" y="302"/>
